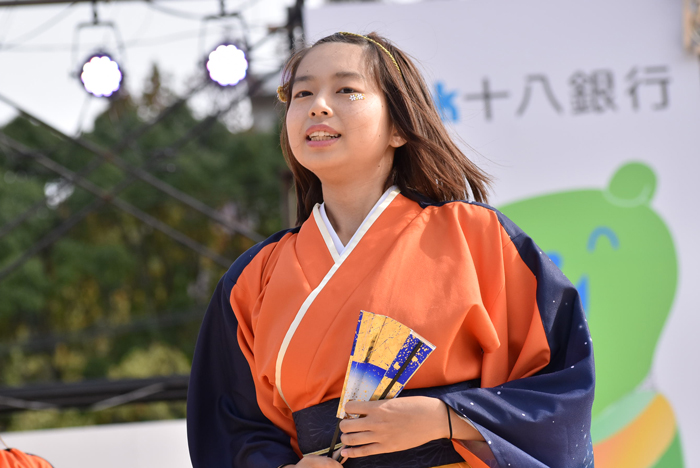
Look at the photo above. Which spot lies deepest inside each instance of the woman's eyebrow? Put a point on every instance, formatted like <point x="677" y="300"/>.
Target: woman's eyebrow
<point x="299" y="79"/>
<point x="349" y="74"/>
<point x="340" y="74"/>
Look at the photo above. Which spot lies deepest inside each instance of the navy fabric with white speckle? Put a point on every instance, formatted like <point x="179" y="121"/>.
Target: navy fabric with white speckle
<point x="225" y="426"/>
<point x="543" y="420"/>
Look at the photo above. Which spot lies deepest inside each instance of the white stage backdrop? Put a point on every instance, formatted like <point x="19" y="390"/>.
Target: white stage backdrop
<point x="588" y="115"/>
<point x="156" y="444"/>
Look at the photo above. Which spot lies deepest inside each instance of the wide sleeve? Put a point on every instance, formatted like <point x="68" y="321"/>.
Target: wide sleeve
<point x="534" y="405"/>
<point x="225" y="426"/>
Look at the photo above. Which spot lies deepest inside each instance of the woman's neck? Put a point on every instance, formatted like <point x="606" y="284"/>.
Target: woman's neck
<point x="348" y="205"/>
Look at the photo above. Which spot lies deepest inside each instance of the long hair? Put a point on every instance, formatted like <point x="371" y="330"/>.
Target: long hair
<point x="429" y="165"/>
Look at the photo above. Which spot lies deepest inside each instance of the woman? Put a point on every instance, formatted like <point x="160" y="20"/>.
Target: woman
<point x="377" y="178"/>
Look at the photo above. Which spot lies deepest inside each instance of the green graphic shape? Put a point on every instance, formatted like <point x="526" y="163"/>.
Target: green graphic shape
<point x="620" y="255"/>
<point x="673" y="457"/>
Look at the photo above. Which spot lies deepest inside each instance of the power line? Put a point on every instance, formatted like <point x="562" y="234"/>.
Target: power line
<point x="106" y="197"/>
<point x="41" y="29"/>
<point x="133" y="173"/>
<point x="83" y="113"/>
<point x="5" y="22"/>
<point x="142" y="175"/>
<point x="75" y="218"/>
<point x="21" y="218"/>
<point x="120" y="146"/>
<point x="174" y="12"/>
<point x="97" y="394"/>
<point x="46" y="48"/>
<point x="143" y="42"/>
<point x="16" y="3"/>
<point x="191" y="16"/>
<point x="62" y="229"/>
<point x="145" y="23"/>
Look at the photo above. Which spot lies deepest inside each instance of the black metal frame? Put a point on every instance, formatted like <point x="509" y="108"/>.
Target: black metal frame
<point x="95" y="395"/>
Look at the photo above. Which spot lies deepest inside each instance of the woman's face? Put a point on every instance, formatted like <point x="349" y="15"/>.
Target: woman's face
<point x="338" y="138"/>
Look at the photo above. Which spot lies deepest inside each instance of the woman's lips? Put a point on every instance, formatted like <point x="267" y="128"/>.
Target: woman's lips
<point x="320" y="128"/>
<point x="321" y="135"/>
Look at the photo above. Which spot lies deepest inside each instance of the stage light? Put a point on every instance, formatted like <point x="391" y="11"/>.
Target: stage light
<point x="227" y="65"/>
<point x="101" y="75"/>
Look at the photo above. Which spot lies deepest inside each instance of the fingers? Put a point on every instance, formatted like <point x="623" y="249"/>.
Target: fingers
<point x="355" y="425"/>
<point x="389" y="425"/>
<point x="360" y="407"/>
<point x="362" y="451"/>
<point x="358" y="438"/>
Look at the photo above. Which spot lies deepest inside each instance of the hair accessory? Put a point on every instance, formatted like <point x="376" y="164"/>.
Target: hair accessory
<point x="449" y="418"/>
<point x="378" y="45"/>
<point x="357" y="96"/>
<point x="281" y="94"/>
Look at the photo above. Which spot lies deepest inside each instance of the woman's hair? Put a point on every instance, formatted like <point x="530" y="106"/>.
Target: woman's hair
<point x="429" y="165"/>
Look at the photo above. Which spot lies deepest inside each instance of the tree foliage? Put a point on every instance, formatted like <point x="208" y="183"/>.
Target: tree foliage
<point x="114" y="298"/>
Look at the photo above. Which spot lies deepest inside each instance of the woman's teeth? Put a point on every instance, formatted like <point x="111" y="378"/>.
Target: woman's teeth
<point x="321" y="136"/>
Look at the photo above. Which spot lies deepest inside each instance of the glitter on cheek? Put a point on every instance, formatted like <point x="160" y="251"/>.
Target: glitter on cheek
<point x="357" y="97"/>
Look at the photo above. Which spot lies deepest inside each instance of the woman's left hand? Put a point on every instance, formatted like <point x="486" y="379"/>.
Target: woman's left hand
<point x="392" y="425"/>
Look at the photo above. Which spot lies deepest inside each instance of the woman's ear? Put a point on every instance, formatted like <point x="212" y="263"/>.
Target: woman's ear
<point x="396" y="140"/>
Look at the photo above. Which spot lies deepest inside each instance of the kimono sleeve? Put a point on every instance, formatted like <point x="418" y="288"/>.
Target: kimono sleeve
<point x="225" y="426"/>
<point x="538" y="414"/>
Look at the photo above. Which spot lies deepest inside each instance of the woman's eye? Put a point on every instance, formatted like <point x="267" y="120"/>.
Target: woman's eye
<point x="302" y="94"/>
<point x="347" y="90"/>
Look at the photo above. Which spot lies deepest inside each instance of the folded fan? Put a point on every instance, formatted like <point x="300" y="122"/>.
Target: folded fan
<point x="385" y="355"/>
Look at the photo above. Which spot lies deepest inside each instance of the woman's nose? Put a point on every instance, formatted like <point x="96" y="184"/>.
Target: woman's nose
<point x="320" y="108"/>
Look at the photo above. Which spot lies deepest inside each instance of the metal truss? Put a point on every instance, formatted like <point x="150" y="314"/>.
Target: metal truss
<point x="95" y="395"/>
<point x="133" y="174"/>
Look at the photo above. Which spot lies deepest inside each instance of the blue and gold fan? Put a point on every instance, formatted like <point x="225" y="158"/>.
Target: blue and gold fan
<point x="385" y="355"/>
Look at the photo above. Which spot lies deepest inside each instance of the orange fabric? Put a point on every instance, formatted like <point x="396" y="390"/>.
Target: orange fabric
<point x="13" y="458"/>
<point x="472" y="460"/>
<point x="450" y="272"/>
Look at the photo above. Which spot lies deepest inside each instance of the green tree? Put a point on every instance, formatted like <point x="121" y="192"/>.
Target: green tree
<point x="115" y="298"/>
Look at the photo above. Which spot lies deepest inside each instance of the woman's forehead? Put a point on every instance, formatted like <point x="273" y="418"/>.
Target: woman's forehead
<point x="332" y="59"/>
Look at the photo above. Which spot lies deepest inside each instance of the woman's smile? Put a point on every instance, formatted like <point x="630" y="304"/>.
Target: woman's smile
<point x="319" y="136"/>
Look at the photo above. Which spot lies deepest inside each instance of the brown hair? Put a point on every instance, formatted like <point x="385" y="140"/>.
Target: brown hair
<point x="429" y="165"/>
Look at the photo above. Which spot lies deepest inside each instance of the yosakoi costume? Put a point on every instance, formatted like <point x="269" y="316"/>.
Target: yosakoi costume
<point x="512" y="350"/>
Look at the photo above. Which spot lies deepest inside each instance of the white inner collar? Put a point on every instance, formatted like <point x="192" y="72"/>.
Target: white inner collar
<point x="334" y="236"/>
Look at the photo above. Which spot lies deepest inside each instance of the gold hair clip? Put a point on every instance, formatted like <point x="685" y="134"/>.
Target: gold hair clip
<point x="357" y="96"/>
<point x="281" y="94"/>
<point x="377" y="44"/>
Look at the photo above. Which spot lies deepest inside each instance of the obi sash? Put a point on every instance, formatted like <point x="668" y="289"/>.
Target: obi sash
<point x="315" y="427"/>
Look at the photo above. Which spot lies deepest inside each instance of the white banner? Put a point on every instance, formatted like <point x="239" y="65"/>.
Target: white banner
<point x="588" y="115"/>
<point x="151" y="444"/>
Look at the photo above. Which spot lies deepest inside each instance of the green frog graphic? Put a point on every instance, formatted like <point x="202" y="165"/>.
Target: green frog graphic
<point x="620" y="255"/>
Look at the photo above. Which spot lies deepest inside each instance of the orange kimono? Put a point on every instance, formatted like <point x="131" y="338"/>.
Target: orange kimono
<point x="513" y="354"/>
